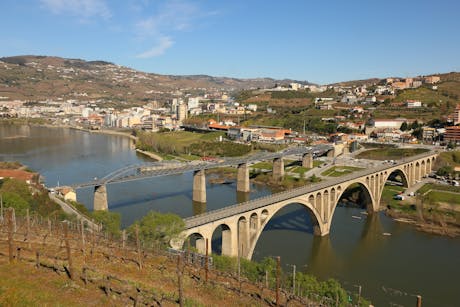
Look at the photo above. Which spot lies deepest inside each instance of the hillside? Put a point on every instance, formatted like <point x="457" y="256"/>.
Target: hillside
<point x="43" y="77"/>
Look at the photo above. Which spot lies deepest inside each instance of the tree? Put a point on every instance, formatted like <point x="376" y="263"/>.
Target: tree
<point x="15" y="201"/>
<point x="418" y="133"/>
<point x="404" y="127"/>
<point x="451" y="145"/>
<point x="445" y="170"/>
<point x="158" y="228"/>
<point x="110" y="221"/>
<point x="414" y="125"/>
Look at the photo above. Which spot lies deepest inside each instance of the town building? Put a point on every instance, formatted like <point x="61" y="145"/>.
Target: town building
<point x="432" y="79"/>
<point x="428" y="134"/>
<point x="413" y="104"/>
<point x="456" y="118"/>
<point x="452" y="134"/>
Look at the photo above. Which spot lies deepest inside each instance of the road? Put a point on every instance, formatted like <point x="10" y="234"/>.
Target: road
<point x="71" y="210"/>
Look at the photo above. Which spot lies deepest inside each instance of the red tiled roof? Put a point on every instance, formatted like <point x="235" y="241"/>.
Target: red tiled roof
<point x="16" y="174"/>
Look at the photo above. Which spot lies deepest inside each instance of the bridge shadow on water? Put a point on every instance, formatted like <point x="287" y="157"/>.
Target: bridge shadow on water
<point x="149" y="198"/>
<point x="295" y="220"/>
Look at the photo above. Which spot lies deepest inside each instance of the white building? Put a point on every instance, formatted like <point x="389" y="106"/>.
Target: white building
<point x="388" y="123"/>
<point x="413" y="104"/>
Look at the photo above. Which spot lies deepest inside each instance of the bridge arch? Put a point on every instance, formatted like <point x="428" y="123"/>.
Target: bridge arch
<point x="227" y="239"/>
<point x="318" y="226"/>
<point x="371" y="205"/>
<point x="197" y="241"/>
<point x="402" y="172"/>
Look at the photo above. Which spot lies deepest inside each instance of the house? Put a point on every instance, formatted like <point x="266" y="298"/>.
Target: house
<point x="432" y="79"/>
<point x="349" y="98"/>
<point x="413" y="104"/>
<point x="29" y="178"/>
<point x="388" y="123"/>
<point x="67" y="192"/>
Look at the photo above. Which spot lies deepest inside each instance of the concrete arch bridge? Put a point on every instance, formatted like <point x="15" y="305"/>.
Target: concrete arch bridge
<point x="242" y="224"/>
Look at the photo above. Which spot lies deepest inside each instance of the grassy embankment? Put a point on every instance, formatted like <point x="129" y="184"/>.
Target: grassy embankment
<point x="390" y="153"/>
<point x="435" y="209"/>
<point x="337" y="171"/>
<point x="191" y="146"/>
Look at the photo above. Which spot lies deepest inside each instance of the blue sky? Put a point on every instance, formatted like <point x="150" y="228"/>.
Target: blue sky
<point x="319" y="41"/>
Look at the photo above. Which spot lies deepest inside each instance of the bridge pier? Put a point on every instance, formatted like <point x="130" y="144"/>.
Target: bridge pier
<point x="278" y="168"/>
<point x="307" y="160"/>
<point x="243" y="237"/>
<point x="200" y="245"/>
<point x="242" y="181"/>
<point x="199" y="186"/>
<point x="229" y="242"/>
<point x="100" y="198"/>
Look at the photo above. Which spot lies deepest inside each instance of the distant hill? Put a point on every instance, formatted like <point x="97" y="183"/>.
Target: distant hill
<point x="31" y="77"/>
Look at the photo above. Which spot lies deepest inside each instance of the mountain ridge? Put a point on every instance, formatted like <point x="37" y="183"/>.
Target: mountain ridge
<point x="32" y="77"/>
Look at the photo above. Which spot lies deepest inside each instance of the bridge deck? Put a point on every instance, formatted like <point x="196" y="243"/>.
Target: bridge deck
<point x="165" y="168"/>
<point x="274" y="198"/>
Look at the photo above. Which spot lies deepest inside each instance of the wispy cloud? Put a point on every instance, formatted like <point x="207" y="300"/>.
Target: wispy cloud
<point x="163" y="44"/>
<point x="171" y="17"/>
<point x="82" y="8"/>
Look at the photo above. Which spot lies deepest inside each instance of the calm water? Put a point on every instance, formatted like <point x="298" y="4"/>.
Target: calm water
<point x="391" y="269"/>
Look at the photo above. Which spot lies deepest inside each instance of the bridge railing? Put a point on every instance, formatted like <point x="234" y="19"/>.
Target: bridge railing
<point x="281" y="196"/>
<point x="117" y="175"/>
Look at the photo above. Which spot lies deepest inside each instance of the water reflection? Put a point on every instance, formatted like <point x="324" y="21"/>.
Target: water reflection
<point x="242" y="197"/>
<point x="198" y="208"/>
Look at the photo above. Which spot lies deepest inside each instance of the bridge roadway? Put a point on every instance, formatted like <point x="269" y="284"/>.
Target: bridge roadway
<point x="165" y="168"/>
<point x="222" y="213"/>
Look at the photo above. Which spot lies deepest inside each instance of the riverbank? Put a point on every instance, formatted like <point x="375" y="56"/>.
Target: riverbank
<point x="437" y="223"/>
<point x="47" y="125"/>
<point x="150" y="154"/>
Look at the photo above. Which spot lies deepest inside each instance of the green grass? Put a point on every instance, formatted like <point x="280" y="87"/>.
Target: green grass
<point x="388" y="194"/>
<point x="301" y="169"/>
<point x="444" y="197"/>
<point x="450" y="158"/>
<point x="390" y="153"/>
<point x="263" y="165"/>
<point x="438" y="187"/>
<point x="337" y="171"/>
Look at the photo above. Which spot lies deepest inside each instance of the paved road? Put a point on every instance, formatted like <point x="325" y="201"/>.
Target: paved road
<point x="71" y="210"/>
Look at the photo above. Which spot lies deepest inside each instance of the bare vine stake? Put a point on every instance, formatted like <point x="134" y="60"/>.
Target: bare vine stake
<point x="67" y="246"/>
<point x="14" y="220"/>
<point x="179" y="281"/>
<point x="28" y="228"/>
<point x="123" y="238"/>
<point x="83" y="243"/>
<point x="278" y="271"/>
<point x="138" y="244"/>
<point x="9" y="214"/>
<point x="37" y="259"/>
<point x="206" y="263"/>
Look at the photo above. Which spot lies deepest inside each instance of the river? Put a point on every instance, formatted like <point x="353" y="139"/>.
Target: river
<point x="391" y="269"/>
